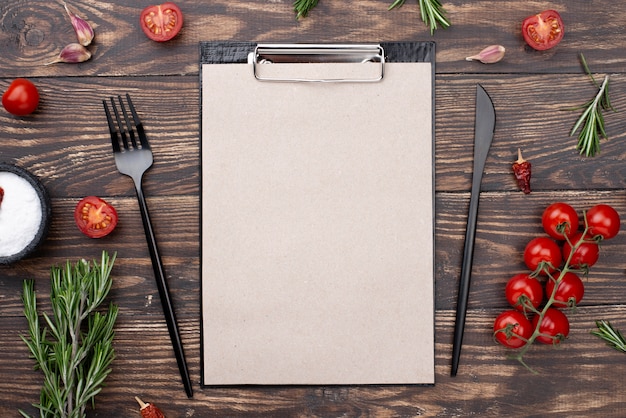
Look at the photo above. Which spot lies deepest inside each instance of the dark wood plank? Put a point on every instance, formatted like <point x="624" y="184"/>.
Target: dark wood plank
<point x="77" y="160"/>
<point x="66" y="144"/>
<point x="489" y="385"/>
<point x="501" y="238"/>
<point x="36" y="31"/>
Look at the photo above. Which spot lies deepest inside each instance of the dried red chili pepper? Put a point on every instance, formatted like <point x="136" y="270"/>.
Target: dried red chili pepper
<point x="1" y="194"/>
<point x="149" y="410"/>
<point x="521" y="169"/>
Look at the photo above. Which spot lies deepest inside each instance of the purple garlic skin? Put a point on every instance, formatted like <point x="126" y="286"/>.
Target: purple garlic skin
<point x="489" y="55"/>
<point x="72" y="53"/>
<point x="84" y="31"/>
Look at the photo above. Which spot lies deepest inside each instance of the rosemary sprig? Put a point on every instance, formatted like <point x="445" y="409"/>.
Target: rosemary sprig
<point x="431" y="12"/>
<point x="303" y="7"/>
<point x="611" y="335"/>
<point x="591" y="121"/>
<point x="73" y="347"/>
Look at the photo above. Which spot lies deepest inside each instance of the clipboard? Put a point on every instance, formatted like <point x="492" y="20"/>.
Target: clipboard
<point x="317" y="252"/>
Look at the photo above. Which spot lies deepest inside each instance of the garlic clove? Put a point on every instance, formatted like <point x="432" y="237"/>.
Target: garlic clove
<point x="72" y="53"/>
<point x="84" y="31"/>
<point x="489" y="55"/>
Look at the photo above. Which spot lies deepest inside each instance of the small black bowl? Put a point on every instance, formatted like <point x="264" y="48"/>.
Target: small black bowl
<point x="46" y="214"/>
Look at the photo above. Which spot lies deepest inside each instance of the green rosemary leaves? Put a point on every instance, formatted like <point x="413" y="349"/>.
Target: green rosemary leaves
<point x="591" y="121"/>
<point x="431" y="12"/>
<point x="73" y="347"/>
<point x="303" y="7"/>
<point x="612" y="336"/>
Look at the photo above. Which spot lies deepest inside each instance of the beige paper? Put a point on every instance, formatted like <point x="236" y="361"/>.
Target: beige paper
<point x="317" y="228"/>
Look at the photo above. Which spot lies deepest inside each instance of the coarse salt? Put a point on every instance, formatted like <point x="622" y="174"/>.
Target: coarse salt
<point x="20" y="214"/>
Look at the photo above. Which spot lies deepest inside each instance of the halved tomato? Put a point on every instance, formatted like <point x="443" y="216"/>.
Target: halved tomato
<point x="543" y="30"/>
<point x="161" y="22"/>
<point x="95" y="217"/>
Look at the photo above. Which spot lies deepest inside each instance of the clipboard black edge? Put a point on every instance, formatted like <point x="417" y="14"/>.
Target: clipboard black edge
<point x="233" y="52"/>
<point x="237" y="52"/>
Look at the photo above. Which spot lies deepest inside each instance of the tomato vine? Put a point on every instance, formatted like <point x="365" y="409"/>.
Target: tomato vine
<point x="577" y="252"/>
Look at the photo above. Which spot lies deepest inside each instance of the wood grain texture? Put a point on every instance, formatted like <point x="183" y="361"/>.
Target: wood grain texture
<point x="66" y="144"/>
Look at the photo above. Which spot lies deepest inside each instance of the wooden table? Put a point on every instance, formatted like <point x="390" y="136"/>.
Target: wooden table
<point x="66" y="144"/>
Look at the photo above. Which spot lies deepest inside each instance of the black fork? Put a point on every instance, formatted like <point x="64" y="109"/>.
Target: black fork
<point x="133" y="157"/>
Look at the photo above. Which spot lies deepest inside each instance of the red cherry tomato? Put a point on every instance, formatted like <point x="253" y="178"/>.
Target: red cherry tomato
<point x="524" y="292"/>
<point x="554" y="327"/>
<point x="543" y="30"/>
<point x="512" y="329"/>
<point x="586" y="255"/>
<point x="95" y="217"/>
<point x="21" y="98"/>
<point x="569" y="292"/>
<point x="161" y="22"/>
<point x="560" y="219"/>
<point x="542" y="249"/>
<point x="603" y="220"/>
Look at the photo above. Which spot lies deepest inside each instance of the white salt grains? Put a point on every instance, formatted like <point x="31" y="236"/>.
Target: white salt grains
<point x="20" y="214"/>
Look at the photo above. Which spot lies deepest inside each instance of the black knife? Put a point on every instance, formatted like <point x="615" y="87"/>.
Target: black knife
<point x="484" y="126"/>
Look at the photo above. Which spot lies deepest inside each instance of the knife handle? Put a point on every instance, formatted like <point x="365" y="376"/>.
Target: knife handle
<point x="466" y="272"/>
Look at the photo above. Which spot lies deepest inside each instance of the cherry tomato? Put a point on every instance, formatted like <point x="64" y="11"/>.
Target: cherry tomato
<point x="560" y="219"/>
<point x="603" y="220"/>
<point x="512" y="329"/>
<point x="95" y="217"/>
<point x="523" y="291"/>
<point x="569" y="292"/>
<point x="21" y="98"/>
<point x="586" y="255"/>
<point x="161" y="22"/>
<point x="542" y="249"/>
<point x="554" y="327"/>
<point x="543" y="30"/>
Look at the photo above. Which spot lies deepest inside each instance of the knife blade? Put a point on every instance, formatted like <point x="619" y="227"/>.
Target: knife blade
<point x="484" y="127"/>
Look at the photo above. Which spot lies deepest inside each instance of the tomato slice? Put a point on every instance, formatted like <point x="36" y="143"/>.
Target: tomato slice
<point x="95" y="217"/>
<point x="161" y="22"/>
<point x="543" y="30"/>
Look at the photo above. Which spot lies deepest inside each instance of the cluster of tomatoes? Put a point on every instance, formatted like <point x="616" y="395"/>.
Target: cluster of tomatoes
<point x="555" y="263"/>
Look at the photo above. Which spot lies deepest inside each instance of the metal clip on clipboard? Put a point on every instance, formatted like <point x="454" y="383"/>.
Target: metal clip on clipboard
<point x="367" y="54"/>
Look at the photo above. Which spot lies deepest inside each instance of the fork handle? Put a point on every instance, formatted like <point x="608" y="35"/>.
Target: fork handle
<point x="164" y="294"/>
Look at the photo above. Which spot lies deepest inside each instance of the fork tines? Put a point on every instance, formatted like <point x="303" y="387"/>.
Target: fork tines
<point x="121" y="130"/>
